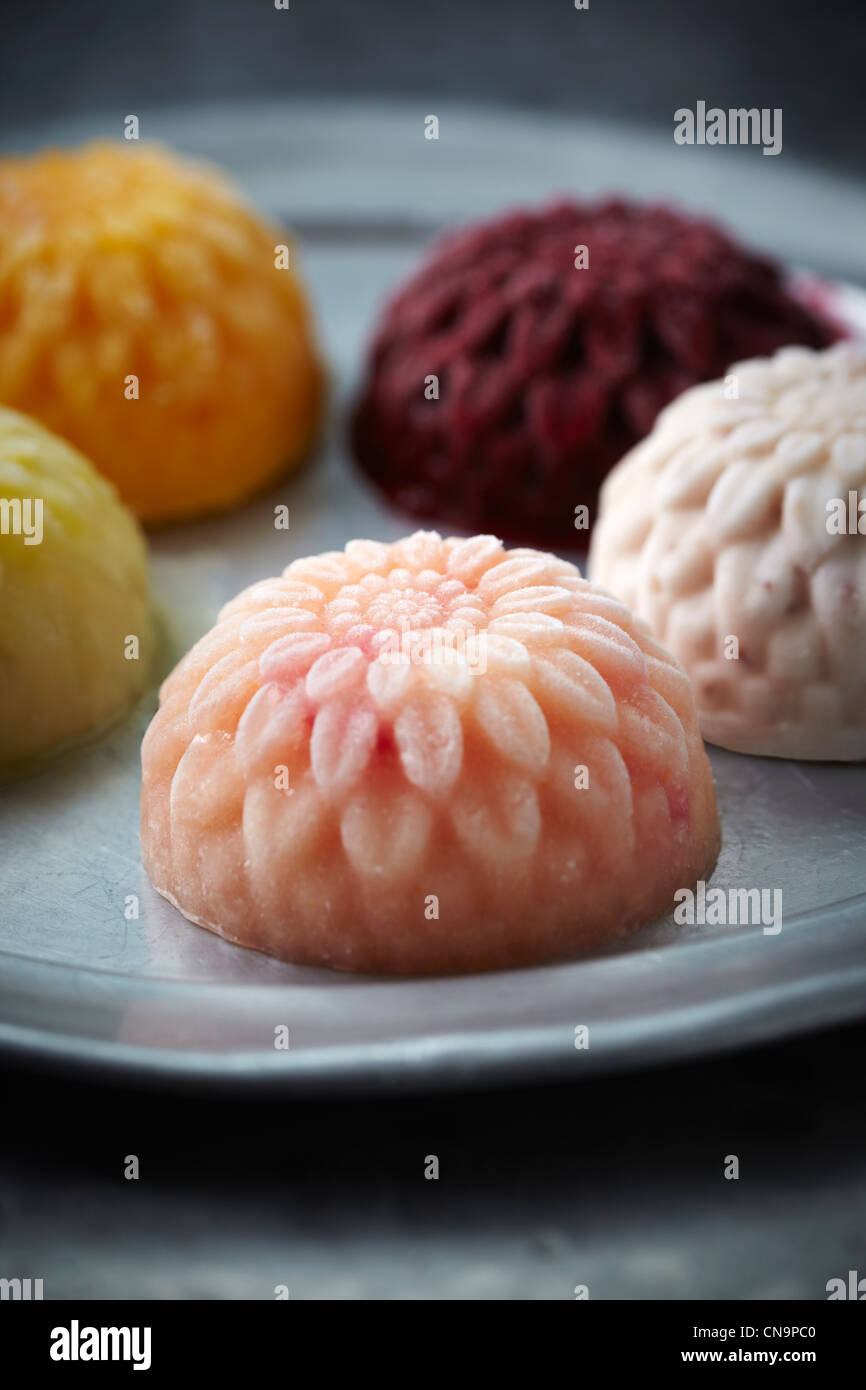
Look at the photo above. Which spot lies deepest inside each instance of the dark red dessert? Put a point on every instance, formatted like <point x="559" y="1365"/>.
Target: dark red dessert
<point x="546" y="373"/>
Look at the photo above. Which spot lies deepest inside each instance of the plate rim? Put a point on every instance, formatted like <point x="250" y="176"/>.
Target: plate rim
<point x="765" y="1012"/>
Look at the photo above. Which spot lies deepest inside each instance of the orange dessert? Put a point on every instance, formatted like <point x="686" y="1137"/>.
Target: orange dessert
<point x="144" y="317"/>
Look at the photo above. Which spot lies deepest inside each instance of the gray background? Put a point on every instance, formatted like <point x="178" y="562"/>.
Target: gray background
<point x="615" y="1183"/>
<point x="628" y="60"/>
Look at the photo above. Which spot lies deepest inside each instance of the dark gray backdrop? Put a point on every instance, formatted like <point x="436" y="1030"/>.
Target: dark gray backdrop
<point x="624" y="59"/>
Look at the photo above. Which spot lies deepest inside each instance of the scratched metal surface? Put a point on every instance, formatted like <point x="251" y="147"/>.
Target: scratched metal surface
<point x="82" y="986"/>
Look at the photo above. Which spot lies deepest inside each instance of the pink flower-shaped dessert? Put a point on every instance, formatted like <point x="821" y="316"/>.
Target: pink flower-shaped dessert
<point x="737" y="529"/>
<point x="427" y="756"/>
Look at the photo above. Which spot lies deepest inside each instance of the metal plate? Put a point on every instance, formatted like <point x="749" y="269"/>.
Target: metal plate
<point x="159" y="999"/>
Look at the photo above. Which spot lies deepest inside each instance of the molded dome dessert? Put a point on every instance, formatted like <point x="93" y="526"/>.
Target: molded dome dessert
<point x="427" y="756"/>
<point x="504" y="381"/>
<point x="143" y="317"/>
<point x="733" y="529"/>
<point x="76" y="633"/>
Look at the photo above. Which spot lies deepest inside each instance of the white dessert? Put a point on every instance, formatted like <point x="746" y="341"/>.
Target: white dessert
<point x="737" y="529"/>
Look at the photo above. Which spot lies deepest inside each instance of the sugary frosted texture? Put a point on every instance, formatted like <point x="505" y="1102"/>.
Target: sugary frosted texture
<point x="118" y="260"/>
<point x="716" y="527"/>
<point x="421" y="778"/>
<point x="68" y="604"/>
<point x="547" y="374"/>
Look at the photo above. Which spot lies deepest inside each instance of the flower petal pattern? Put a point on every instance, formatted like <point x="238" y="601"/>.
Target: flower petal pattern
<point x="429" y="736"/>
<point x="722" y="531"/>
<point x="402" y="768"/>
<point x="510" y="716"/>
<point x="340" y="744"/>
